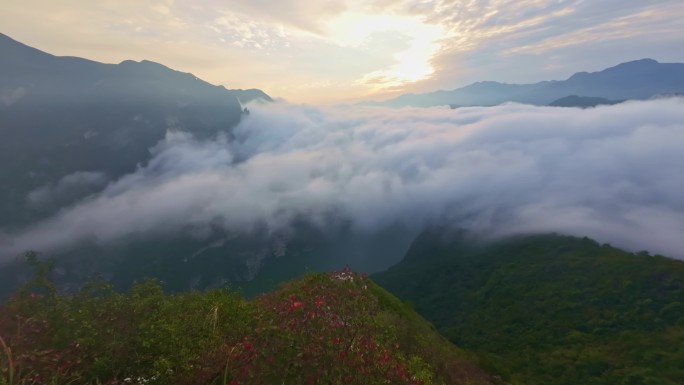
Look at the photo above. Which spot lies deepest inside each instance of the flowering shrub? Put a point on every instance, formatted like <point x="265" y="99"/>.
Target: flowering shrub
<point x="331" y="328"/>
<point x="322" y="329"/>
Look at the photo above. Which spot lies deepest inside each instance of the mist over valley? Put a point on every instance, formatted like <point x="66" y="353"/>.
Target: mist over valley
<point x="384" y="192"/>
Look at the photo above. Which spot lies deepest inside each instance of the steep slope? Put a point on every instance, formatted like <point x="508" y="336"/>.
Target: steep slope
<point x="639" y="79"/>
<point x="70" y="126"/>
<point x="60" y="116"/>
<point x="336" y="328"/>
<point x="551" y="309"/>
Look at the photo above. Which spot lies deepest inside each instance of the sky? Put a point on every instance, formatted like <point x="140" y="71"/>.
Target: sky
<point x="337" y="51"/>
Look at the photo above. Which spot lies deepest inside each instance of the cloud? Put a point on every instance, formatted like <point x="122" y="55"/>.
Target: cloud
<point x="612" y="172"/>
<point x="66" y="190"/>
<point x="365" y="49"/>
<point x="301" y="14"/>
<point x="529" y="41"/>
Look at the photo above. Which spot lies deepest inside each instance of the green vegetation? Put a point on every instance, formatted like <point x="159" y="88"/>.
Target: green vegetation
<point x="551" y="309"/>
<point x="335" y="328"/>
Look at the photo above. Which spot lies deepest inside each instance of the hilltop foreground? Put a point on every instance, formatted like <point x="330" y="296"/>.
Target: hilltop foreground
<point x="335" y="328"/>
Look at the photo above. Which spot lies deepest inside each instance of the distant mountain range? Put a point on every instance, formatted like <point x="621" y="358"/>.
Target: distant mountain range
<point x="639" y="79"/>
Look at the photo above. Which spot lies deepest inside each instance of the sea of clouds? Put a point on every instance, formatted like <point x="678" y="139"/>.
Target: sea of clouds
<point x="614" y="173"/>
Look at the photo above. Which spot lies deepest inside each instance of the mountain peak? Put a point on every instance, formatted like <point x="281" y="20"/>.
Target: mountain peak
<point x="634" y="64"/>
<point x="144" y="64"/>
<point x="641" y="61"/>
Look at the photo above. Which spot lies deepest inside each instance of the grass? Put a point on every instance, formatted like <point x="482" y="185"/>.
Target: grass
<point x="9" y="380"/>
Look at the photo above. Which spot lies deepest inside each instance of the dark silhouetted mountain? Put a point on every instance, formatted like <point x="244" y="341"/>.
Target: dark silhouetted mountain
<point x="582" y="101"/>
<point x="62" y="115"/>
<point x="550" y="309"/>
<point x="640" y="79"/>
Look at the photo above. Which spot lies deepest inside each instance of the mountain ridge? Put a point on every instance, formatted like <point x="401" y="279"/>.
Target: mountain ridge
<point x="17" y="55"/>
<point x="94" y="117"/>
<point x="636" y="79"/>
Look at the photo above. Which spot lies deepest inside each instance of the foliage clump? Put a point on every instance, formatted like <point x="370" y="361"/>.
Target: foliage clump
<point x="335" y="328"/>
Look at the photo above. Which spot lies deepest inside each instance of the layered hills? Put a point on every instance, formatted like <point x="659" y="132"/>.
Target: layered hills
<point x="636" y="80"/>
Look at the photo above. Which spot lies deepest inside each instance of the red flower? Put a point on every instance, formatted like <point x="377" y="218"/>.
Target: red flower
<point x="248" y="346"/>
<point x="343" y="354"/>
<point x="297" y="304"/>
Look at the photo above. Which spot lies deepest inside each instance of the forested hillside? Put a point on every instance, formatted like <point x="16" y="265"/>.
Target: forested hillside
<point x="551" y="309"/>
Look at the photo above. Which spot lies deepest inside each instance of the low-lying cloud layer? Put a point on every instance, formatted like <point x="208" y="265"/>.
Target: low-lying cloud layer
<point x="614" y="173"/>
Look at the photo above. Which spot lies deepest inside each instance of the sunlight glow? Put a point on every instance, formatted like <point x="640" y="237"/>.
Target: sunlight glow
<point x="421" y="42"/>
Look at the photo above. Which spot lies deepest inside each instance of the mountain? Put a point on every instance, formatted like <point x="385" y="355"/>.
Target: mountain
<point x="60" y="116"/>
<point x="71" y="126"/>
<point x="334" y="328"/>
<point x="639" y="79"/>
<point x="583" y="101"/>
<point x="550" y="309"/>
